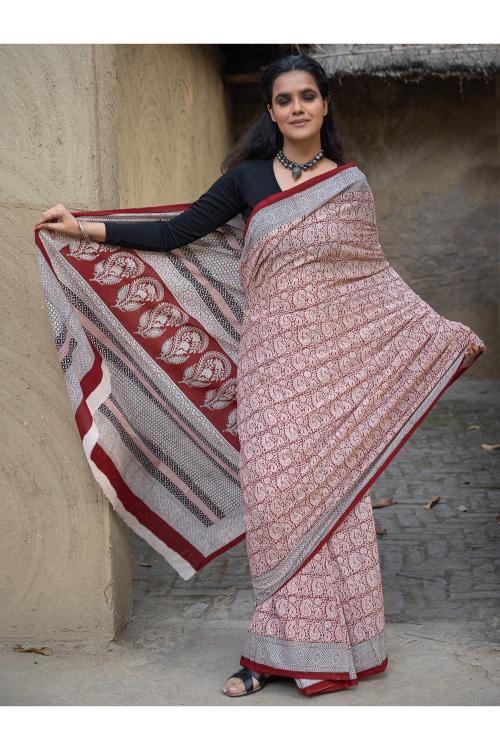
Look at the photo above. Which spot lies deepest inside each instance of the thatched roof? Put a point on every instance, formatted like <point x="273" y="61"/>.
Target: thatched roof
<point x="407" y="61"/>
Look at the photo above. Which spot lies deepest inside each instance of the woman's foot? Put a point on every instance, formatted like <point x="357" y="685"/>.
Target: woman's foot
<point x="471" y="353"/>
<point x="247" y="682"/>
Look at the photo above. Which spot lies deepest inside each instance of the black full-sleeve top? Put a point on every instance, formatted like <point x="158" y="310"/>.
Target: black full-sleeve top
<point x="236" y="191"/>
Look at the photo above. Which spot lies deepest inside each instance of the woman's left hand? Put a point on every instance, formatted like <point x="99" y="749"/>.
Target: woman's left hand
<point x="472" y="352"/>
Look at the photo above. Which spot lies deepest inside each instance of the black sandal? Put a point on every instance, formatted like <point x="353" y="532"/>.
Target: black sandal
<point x="246" y="675"/>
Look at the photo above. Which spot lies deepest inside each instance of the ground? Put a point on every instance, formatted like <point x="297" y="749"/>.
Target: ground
<point x="441" y="579"/>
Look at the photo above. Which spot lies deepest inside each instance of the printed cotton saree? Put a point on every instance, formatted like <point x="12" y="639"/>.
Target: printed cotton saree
<point x="254" y="384"/>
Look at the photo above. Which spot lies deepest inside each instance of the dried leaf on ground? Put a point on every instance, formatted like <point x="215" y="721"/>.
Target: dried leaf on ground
<point x="384" y="502"/>
<point x="380" y="531"/>
<point x="474" y="427"/>
<point x="498" y="519"/>
<point x="490" y="446"/>
<point x="34" y="649"/>
<point x="432" y="502"/>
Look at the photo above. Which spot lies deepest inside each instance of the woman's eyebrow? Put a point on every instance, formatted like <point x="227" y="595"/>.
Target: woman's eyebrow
<point x="286" y="93"/>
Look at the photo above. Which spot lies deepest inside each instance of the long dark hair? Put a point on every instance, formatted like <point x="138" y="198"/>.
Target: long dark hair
<point x="262" y="139"/>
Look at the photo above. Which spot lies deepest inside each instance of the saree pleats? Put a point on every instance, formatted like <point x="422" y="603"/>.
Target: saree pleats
<point x="254" y="384"/>
<point x="327" y="622"/>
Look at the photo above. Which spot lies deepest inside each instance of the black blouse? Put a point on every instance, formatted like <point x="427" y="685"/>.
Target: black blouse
<point x="236" y="191"/>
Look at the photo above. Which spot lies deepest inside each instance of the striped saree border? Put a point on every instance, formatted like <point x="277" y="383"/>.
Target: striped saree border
<point x="306" y="184"/>
<point x="310" y="660"/>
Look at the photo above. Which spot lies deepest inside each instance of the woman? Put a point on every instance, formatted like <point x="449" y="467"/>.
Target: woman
<point x="339" y="360"/>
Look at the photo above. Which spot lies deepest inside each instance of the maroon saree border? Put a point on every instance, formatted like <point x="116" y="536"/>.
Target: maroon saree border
<point x="333" y="686"/>
<point x="294" y="189"/>
<point x="327" y="677"/>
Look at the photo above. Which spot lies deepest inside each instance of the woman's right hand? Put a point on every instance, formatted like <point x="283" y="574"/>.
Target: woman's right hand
<point x="59" y="219"/>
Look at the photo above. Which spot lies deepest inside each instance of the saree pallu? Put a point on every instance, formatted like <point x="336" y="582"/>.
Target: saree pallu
<point x="253" y="385"/>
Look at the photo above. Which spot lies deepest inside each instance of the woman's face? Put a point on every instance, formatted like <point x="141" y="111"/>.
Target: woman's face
<point x="296" y="98"/>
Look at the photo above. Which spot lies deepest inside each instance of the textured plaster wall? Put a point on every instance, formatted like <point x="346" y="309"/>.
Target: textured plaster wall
<point x="64" y="554"/>
<point x="73" y="132"/>
<point x="174" y="122"/>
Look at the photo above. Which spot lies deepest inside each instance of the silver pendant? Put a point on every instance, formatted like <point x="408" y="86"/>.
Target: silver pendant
<point x="296" y="172"/>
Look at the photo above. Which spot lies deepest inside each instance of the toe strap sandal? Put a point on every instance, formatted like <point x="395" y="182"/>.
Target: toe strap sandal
<point x="246" y="675"/>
